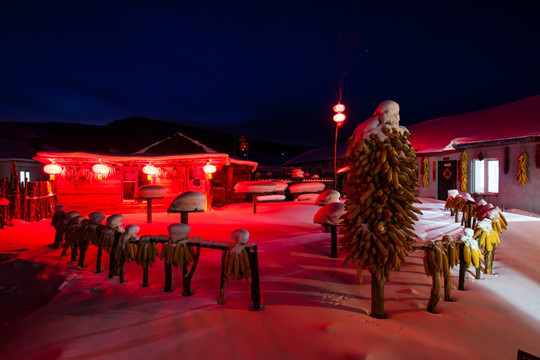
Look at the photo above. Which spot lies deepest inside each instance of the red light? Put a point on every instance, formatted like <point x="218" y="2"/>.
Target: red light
<point x="52" y="169"/>
<point x="101" y="170"/>
<point x="339" y="108"/>
<point x="339" y="118"/>
<point x="150" y="170"/>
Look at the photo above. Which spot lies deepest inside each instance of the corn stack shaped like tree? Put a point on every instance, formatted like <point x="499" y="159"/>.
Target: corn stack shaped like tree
<point x="378" y="224"/>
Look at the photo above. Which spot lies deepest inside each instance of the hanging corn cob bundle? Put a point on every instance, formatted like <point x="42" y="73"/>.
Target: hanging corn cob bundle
<point x="378" y="224"/>
<point x="523" y="166"/>
<point x="469" y="253"/>
<point x="237" y="258"/>
<point x="463" y="170"/>
<point x="425" y="172"/>
<point x="450" y="200"/>
<point x="59" y="222"/>
<point x="439" y="257"/>
<point x="176" y="252"/>
<point x="90" y="228"/>
<point x="147" y="252"/>
<point x="109" y="238"/>
<point x="73" y="224"/>
<point x="124" y="250"/>
<point x="487" y="233"/>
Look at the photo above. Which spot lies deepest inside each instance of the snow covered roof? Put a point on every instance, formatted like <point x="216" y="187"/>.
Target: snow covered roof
<point x="519" y="120"/>
<point x="515" y="121"/>
<point x="176" y="144"/>
<point x="325" y="153"/>
<point x="67" y="158"/>
<point x="17" y="150"/>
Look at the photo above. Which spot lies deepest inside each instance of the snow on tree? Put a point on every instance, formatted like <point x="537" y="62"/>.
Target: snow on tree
<point x="378" y="224"/>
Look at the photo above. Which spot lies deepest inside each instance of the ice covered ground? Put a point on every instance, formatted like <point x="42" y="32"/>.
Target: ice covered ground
<point x="314" y="308"/>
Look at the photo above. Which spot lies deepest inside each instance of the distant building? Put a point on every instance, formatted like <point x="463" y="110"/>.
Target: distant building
<point x="177" y="163"/>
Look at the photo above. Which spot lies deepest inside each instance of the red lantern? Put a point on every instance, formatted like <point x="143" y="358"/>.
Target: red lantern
<point x="339" y="118"/>
<point x="101" y="170"/>
<point x="52" y="170"/>
<point x="150" y="170"/>
<point x="209" y="169"/>
<point x="339" y="108"/>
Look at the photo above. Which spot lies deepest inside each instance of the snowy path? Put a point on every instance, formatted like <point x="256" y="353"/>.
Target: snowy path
<point x="313" y="306"/>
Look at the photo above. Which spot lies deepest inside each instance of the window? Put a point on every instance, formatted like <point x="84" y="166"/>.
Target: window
<point x="485" y="176"/>
<point x="24" y="176"/>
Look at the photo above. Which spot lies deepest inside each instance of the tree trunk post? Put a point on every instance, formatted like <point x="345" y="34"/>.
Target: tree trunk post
<point x="435" y="292"/>
<point x="377" y="297"/>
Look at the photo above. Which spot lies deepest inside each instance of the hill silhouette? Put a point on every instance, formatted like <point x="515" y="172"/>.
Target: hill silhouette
<point x="125" y="136"/>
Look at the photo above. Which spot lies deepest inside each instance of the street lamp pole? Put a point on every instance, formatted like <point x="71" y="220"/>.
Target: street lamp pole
<point x="339" y="118"/>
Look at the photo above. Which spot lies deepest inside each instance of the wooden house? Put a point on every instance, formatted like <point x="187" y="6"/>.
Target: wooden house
<point x="493" y="140"/>
<point x="480" y="153"/>
<point x="108" y="182"/>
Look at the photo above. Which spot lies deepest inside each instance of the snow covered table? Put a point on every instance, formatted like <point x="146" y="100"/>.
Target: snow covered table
<point x="256" y="189"/>
<point x="330" y="215"/>
<point x="188" y="202"/>
<point x="148" y="193"/>
<point x="306" y="188"/>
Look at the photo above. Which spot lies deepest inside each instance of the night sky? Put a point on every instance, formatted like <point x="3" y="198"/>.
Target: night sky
<point x="263" y="69"/>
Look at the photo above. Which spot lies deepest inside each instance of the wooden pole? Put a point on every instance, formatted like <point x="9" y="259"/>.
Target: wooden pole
<point x="121" y="269"/>
<point x="188" y="275"/>
<point x="333" y="245"/>
<point x="435" y="292"/>
<point x="145" y="276"/>
<point x="221" y="300"/>
<point x="98" y="259"/>
<point x="184" y="217"/>
<point x="255" y="285"/>
<point x="488" y="256"/>
<point x="168" y="278"/>
<point x="113" y="262"/>
<point x="148" y="210"/>
<point x="462" y="268"/>
<point x="82" y="254"/>
<point x="447" y="284"/>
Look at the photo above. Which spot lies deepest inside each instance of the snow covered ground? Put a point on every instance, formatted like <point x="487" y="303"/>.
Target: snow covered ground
<point x="314" y="308"/>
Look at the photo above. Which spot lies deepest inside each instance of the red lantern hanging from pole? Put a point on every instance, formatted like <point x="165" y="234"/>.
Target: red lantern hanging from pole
<point x="339" y="117"/>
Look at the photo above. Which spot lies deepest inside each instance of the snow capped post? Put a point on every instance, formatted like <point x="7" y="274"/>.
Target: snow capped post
<point x="378" y="224"/>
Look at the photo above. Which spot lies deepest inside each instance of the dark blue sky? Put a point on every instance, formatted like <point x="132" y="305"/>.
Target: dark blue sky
<point x="262" y="69"/>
